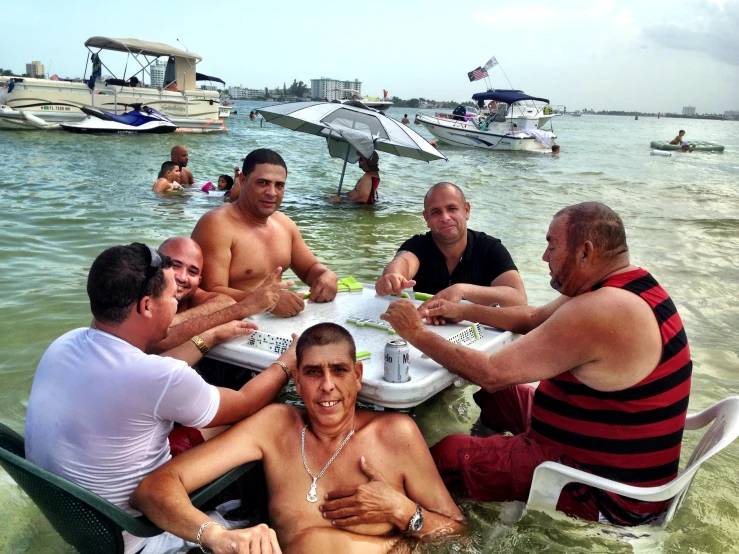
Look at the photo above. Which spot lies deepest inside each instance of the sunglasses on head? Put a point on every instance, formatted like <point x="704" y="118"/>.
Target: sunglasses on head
<point x="155" y="262"/>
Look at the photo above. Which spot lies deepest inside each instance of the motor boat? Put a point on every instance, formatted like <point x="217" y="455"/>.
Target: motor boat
<point x="50" y="102"/>
<point x="350" y="95"/>
<point x="140" y="120"/>
<point x="513" y="121"/>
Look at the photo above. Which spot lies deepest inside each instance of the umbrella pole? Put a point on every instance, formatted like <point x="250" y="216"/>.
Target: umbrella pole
<point x="343" y="169"/>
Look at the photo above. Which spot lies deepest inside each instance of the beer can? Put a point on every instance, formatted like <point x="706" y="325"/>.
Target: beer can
<point x="397" y="361"/>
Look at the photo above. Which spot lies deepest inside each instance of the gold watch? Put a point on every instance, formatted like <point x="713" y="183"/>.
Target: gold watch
<point x="200" y="343"/>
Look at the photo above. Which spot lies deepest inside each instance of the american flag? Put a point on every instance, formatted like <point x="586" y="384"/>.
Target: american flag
<point x="477" y="74"/>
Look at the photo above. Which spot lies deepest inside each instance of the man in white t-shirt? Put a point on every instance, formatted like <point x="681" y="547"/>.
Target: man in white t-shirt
<point x="101" y="410"/>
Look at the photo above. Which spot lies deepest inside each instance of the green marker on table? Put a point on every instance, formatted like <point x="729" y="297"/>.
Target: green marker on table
<point x="364" y="355"/>
<point x="404" y="295"/>
<point x="422" y="296"/>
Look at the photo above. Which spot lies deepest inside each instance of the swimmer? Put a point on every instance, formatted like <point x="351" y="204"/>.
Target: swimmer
<point x="555" y="149"/>
<point x="687" y="147"/>
<point x="225" y="183"/>
<point x="405" y="120"/>
<point x="168" y="178"/>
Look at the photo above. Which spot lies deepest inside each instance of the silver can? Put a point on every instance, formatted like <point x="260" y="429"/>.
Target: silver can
<point x="397" y="361"/>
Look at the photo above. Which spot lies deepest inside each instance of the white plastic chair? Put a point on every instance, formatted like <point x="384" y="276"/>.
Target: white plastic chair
<point x="550" y="477"/>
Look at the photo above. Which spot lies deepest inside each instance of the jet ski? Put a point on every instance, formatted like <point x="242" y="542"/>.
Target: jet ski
<point x="139" y="120"/>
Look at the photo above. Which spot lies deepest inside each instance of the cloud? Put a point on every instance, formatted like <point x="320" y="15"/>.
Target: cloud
<point x="715" y="32"/>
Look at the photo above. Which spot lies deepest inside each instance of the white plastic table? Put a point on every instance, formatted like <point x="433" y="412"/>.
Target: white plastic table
<point x="427" y="377"/>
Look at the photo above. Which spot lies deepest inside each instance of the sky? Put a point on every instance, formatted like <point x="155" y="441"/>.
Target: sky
<point x="647" y="55"/>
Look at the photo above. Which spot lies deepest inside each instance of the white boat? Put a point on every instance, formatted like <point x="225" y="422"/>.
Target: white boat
<point x="514" y="122"/>
<point x="224" y="111"/>
<point x="578" y="113"/>
<point x="30" y="103"/>
<point x="349" y="95"/>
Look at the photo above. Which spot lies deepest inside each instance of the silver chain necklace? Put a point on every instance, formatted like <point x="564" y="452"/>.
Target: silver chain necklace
<point x="311" y="496"/>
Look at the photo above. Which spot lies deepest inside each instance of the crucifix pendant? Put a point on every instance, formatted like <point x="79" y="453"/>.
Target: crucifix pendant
<point x="311" y="496"/>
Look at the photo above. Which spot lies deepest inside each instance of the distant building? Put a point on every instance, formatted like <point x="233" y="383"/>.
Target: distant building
<point x="731" y="114"/>
<point x="243" y="93"/>
<point x="325" y="87"/>
<point x="156" y="73"/>
<point x="688" y="110"/>
<point x="35" y="69"/>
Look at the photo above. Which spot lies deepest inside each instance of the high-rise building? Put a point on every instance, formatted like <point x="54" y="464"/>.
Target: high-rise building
<point x="326" y="87"/>
<point x="731" y="114"/>
<point x="156" y="72"/>
<point x="35" y="69"/>
<point x="688" y="110"/>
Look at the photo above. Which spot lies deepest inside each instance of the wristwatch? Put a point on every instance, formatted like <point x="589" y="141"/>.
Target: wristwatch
<point x="416" y="522"/>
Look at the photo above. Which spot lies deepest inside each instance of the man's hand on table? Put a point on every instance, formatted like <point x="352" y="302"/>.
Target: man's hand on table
<point x="403" y="316"/>
<point x="453" y="293"/>
<point x="439" y="311"/>
<point x="374" y="502"/>
<point x="289" y="304"/>
<point x="393" y="282"/>
<point x="267" y="294"/>
<point x="325" y="287"/>
<point x="227" y="331"/>
<point x="253" y="540"/>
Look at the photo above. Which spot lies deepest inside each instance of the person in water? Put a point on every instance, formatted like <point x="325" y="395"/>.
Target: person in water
<point x="405" y="120"/>
<point x="101" y="411"/>
<point x="687" y="147"/>
<point x="365" y="191"/>
<point x="379" y="482"/>
<point x="225" y="183"/>
<point x="242" y="243"/>
<point x="180" y="156"/>
<point x="613" y="364"/>
<point x="555" y="149"/>
<point x="679" y="138"/>
<point x="168" y="178"/>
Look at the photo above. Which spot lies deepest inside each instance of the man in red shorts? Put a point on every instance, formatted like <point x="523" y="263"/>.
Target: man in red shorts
<point x="101" y="409"/>
<point x="614" y="368"/>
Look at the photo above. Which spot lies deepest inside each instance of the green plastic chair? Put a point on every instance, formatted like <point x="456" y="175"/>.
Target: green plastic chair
<point x="85" y="520"/>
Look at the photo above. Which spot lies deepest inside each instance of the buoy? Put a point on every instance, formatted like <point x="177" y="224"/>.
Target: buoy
<point x="659" y="153"/>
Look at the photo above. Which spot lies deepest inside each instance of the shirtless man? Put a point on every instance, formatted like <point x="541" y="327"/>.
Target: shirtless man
<point x="613" y="365"/>
<point x="451" y="261"/>
<point x="379" y="479"/>
<point x="198" y="310"/>
<point x="244" y="241"/>
<point x="168" y="178"/>
<point x="180" y="156"/>
<point x="405" y="120"/>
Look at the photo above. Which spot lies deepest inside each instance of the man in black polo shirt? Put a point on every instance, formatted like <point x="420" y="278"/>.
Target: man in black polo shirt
<point x="451" y="261"/>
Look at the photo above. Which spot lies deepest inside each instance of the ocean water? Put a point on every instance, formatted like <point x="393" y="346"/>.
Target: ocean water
<point x="64" y="198"/>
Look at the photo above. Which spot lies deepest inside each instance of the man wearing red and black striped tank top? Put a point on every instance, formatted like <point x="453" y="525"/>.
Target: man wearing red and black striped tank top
<point x="614" y="367"/>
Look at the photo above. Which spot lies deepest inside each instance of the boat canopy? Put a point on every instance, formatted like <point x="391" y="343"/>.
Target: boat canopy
<point x="136" y="46"/>
<point x="204" y="77"/>
<point x="507" y="96"/>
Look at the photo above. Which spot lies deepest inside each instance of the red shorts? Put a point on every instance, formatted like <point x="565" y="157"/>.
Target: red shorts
<point x="184" y="438"/>
<point x="500" y="468"/>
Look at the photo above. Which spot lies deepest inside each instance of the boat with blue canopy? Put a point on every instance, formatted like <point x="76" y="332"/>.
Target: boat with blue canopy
<point x="511" y="120"/>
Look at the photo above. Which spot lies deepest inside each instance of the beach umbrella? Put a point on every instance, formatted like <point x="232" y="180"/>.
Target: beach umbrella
<point x="350" y="130"/>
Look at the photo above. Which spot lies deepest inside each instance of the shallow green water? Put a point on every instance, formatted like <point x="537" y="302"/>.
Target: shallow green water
<point x="65" y="198"/>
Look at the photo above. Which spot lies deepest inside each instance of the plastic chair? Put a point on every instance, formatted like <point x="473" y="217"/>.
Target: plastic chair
<point x="550" y="477"/>
<point x="85" y="520"/>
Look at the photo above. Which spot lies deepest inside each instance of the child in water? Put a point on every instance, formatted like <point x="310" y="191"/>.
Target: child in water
<point x="225" y="183"/>
<point x="168" y="178"/>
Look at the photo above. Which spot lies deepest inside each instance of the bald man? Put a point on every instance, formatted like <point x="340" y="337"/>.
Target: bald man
<point x="198" y="310"/>
<point x="451" y="261"/>
<point x="179" y="155"/>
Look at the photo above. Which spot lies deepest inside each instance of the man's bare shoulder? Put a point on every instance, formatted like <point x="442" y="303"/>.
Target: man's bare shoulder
<point x="283" y="220"/>
<point x="389" y="427"/>
<point x="602" y="309"/>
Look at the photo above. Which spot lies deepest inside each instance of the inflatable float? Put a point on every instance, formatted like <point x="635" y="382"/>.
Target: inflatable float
<point x="698" y="144"/>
